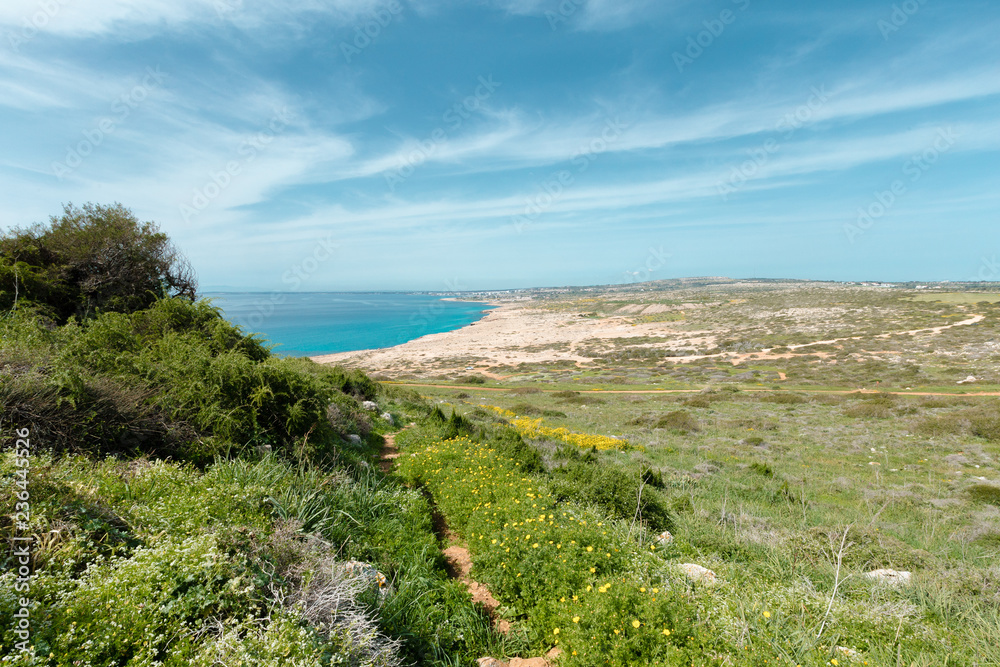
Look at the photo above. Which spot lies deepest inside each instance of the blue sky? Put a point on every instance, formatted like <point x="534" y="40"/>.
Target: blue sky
<point x="421" y="144"/>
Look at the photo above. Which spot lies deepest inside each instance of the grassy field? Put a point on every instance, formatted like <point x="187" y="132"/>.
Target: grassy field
<point x="779" y="476"/>
<point x="959" y="297"/>
<point x="772" y="492"/>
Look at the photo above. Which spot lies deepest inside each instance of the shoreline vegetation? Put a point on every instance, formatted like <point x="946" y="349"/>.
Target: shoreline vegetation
<point x="194" y="500"/>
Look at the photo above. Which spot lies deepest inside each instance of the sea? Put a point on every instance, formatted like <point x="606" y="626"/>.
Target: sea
<point x="300" y="324"/>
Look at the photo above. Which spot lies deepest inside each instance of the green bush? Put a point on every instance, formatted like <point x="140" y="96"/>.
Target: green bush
<point x="91" y="260"/>
<point x="178" y="380"/>
<point x="698" y="402"/>
<point x="985" y="423"/>
<point x="614" y="490"/>
<point x="680" y="421"/>
<point x="782" y="398"/>
<point x="985" y="493"/>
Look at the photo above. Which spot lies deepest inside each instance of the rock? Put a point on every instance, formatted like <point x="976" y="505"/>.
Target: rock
<point x="697" y="573"/>
<point x="528" y="662"/>
<point x="354" y="439"/>
<point x="370" y="405"/>
<point x="886" y="576"/>
<point x="968" y="380"/>
<point x="490" y="662"/>
<point x="369" y="573"/>
<point x="263" y="450"/>
<point x="388" y="417"/>
<point x="664" y="538"/>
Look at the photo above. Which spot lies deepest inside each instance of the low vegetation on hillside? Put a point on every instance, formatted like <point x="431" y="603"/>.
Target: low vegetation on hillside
<point x="188" y="498"/>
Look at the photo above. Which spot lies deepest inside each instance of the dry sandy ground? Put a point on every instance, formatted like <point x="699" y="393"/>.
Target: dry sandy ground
<point x="513" y="334"/>
<point x="507" y="336"/>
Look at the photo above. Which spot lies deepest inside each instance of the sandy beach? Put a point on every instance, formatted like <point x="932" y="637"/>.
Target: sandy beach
<point x="521" y="332"/>
<point x="511" y="334"/>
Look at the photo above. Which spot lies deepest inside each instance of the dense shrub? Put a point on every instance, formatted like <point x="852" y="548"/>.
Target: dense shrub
<point x="89" y="260"/>
<point x="680" y="421"/>
<point x="985" y="493"/>
<point x="177" y="380"/>
<point x="985" y="423"/>
<point x="95" y="414"/>
<point x="614" y="490"/>
<point x="782" y="398"/>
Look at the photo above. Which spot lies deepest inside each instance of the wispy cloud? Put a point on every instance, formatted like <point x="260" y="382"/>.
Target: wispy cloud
<point x="231" y="67"/>
<point x="96" y="17"/>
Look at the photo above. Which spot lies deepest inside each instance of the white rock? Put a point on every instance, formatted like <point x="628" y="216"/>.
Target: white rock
<point x="968" y="380"/>
<point x="697" y="573"/>
<point x="887" y="576"/>
<point x="388" y="417"/>
<point x="664" y="538"/>
<point x="370" y="405"/>
<point x="354" y="439"/>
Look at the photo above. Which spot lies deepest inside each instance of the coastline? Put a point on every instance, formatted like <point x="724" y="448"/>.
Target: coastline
<point x="509" y="335"/>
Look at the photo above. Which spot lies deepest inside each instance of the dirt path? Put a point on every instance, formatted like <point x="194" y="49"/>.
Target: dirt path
<point x="912" y="332"/>
<point x="765" y="354"/>
<point x="456" y="554"/>
<point x="460" y="567"/>
<point x="388" y="454"/>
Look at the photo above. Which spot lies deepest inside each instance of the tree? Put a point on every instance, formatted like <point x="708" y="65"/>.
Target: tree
<point x="91" y="259"/>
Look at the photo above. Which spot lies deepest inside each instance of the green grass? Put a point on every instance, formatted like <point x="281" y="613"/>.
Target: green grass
<point x="761" y="490"/>
<point x="958" y="297"/>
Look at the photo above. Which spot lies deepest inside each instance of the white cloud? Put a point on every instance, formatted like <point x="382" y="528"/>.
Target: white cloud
<point x="95" y="17"/>
<point x="597" y="15"/>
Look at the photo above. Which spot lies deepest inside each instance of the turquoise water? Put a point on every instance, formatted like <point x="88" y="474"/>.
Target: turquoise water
<point x="311" y="323"/>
